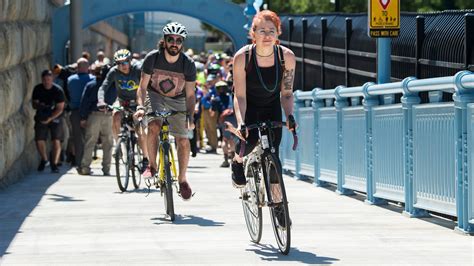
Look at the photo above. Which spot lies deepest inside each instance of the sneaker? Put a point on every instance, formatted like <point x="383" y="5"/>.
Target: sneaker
<point x="280" y="215"/>
<point x="42" y="165"/>
<point x="225" y="164"/>
<point x="145" y="164"/>
<point x="211" y="150"/>
<point x="54" y="168"/>
<point x="238" y="177"/>
<point x="106" y="173"/>
<point x="149" y="173"/>
<point x="83" y="171"/>
<point x="185" y="190"/>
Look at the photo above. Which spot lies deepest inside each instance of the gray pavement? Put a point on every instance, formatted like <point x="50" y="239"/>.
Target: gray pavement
<point x="65" y="219"/>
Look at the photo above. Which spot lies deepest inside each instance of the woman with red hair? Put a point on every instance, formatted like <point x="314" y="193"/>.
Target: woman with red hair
<point x="263" y="84"/>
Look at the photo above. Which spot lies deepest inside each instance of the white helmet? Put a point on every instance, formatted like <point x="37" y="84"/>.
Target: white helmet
<point x="176" y="29"/>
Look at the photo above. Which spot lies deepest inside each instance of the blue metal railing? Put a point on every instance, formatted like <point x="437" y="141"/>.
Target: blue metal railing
<point x="420" y="154"/>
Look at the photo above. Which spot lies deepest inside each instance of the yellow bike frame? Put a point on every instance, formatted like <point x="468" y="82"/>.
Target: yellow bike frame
<point x="161" y="158"/>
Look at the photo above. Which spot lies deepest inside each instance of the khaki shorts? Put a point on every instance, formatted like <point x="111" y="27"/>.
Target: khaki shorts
<point x="178" y="127"/>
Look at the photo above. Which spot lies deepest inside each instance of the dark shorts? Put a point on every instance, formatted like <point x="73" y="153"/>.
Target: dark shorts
<point x="56" y="130"/>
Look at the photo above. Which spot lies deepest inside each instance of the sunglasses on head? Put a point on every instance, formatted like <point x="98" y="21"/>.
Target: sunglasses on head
<point x="177" y="41"/>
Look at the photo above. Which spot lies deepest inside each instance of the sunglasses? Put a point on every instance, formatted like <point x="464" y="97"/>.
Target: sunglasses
<point x="172" y="40"/>
<point x="124" y="63"/>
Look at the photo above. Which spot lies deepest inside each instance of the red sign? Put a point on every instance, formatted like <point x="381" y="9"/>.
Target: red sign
<point x="384" y="3"/>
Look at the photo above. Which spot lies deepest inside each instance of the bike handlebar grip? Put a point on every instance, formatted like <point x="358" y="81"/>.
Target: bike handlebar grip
<point x="295" y="141"/>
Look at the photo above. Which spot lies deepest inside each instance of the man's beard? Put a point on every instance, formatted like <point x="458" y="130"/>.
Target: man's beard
<point x="173" y="52"/>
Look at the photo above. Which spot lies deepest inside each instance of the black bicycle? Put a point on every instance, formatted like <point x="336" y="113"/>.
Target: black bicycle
<point x="127" y="154"/>
<point x="264" y="176"/>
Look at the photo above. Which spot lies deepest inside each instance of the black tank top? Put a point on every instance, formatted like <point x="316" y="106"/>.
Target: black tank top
<point x="262" y="92"/>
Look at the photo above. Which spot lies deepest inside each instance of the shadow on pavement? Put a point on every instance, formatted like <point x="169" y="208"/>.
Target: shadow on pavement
<point x="20" y="199"/>
<point x="189" y="220"/>
<point x="140" y="191"/>
<point x="61" y="198"/>
<point x="271" y="253"/>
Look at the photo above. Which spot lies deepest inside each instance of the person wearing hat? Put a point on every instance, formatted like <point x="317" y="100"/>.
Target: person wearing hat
<point x="208" y="115"/>
<point x="48" y="100"/>
<point x="224" y="106"/>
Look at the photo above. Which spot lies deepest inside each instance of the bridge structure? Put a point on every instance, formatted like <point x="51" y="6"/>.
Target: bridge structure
<point x="411" y="157"/>
<point x="223" y="15"/>
<point x="417" y="154"/>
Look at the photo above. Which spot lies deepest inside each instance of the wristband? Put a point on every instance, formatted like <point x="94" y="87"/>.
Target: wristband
<point x="141" y="107"/>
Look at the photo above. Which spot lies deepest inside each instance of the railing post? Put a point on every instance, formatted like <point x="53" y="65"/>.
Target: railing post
<point x="347" y="42"/>
<point x="462" y="97"/>
<point x="468" y="39"/>
<point x="420" y="38"/>
<point x="324" y="29"/>
<point x="340" y="104"/>
<point x="304" y="22"/>
<point x="291" y="24"/>
<point x="316" y="104"/>
<point x="408" y="100"/>
<point x="369" y="103"/>
<point x="298" y="103"/>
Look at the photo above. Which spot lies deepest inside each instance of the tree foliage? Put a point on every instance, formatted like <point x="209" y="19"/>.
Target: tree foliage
<point x="356" y="6"/>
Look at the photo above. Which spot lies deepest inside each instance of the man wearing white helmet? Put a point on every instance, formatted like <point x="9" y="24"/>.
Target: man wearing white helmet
<point x="167" y="82"/>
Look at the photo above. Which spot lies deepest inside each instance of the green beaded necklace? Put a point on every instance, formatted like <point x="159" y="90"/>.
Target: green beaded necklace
<point x="260" y="74"/>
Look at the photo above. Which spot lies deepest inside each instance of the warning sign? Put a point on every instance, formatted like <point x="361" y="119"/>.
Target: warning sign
<point x="384" y="18"/>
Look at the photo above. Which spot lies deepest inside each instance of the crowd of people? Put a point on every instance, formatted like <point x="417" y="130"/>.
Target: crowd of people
<point x="201" y="84"/>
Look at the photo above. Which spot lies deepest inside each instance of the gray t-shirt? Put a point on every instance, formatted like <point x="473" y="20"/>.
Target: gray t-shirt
<point x="168" y="79"/>
<point x="126" y="85"/>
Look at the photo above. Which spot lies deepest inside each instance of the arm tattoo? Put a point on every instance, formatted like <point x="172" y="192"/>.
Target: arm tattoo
<point x="288" y="76"/>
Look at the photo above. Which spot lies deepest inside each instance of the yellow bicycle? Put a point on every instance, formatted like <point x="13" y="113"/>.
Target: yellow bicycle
<point x="166" y="177"/>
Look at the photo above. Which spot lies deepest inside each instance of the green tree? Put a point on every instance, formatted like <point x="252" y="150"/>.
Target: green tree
<point x="356" y="6"/>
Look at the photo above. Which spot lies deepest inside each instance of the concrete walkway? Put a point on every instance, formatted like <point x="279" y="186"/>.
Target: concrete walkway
<point x="71" y="219"/>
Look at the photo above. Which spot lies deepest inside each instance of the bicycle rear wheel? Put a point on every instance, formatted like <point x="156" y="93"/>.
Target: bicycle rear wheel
<point x="168" y="191"/>
<point x="122" y="163"/>
<point x="137" y="159"/>
<point x="279" y="209"/>
<point x="252" y="207"/>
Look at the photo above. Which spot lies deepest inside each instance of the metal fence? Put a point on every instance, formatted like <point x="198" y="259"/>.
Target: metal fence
<point x="416" y="153"/>
<point x="331" y="48"/>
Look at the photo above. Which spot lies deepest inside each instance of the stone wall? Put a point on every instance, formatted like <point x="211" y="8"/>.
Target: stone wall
<point x="24" y="51"/>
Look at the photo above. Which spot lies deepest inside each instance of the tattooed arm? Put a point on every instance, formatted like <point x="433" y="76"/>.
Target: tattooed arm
<point x="287" y="82"/>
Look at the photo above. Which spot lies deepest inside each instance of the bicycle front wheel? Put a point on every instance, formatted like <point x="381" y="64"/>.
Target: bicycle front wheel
<point x="279" y="207"/>
<point x="252" y="207"/>
<point x="122" y="164"/>
<point x="168" y="192"/>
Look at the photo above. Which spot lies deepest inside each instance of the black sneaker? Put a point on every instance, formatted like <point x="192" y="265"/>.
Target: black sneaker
<point x="54" y="168"/>
<point x="225" y="164"/>
<point x="42" y="165"/>
<point x="238" y="177"/>
<point x="280" y="215"/>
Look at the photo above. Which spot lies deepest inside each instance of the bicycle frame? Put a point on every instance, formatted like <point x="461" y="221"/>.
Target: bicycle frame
<point x="165" y="147"/>
<point x="264" y="148"/>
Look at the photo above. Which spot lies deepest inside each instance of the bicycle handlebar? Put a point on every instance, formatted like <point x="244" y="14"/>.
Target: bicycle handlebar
<point x="271" y="124"/>
<point x="164" y="114"/>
